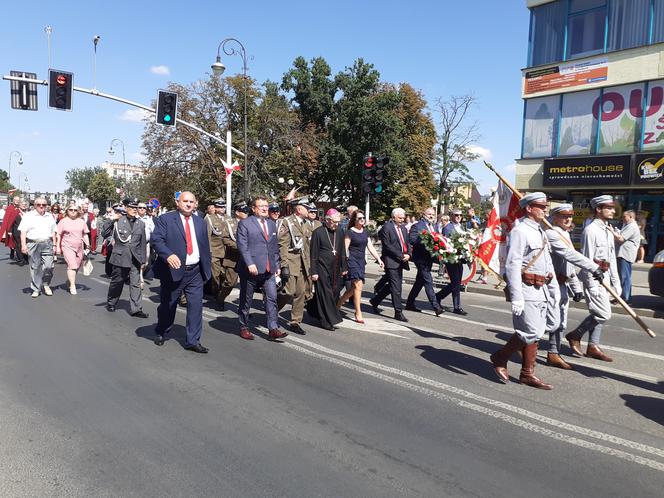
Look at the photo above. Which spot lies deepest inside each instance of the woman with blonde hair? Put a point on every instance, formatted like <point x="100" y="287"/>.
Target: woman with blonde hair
<point x="72" y="241"/>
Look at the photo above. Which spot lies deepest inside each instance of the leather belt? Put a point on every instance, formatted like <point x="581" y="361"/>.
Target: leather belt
<point x="603" y="265"/>
<point x="536" y="280"/>
<point x="191" y="267"/>
<point x="38" y="241"/>
<point x="561" y="278"/>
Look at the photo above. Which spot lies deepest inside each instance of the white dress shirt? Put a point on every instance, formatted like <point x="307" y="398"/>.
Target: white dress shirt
<point x="195" y="256"/>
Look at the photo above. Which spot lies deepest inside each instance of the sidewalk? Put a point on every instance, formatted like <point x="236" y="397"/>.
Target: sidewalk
<point x="644" y="304"/>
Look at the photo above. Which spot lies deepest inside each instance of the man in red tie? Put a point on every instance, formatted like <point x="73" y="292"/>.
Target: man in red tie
<point x="395" y="253"/>
<point x="183" y="266"/>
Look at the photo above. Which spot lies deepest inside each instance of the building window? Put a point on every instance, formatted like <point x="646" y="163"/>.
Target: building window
<point x="658" y="21"/>
<point x="585" y="28"/>
<point x="621" y="110"/>
<point x="547" y="33"/>
<point x="628" y="23"/>
<point x="578" y="126"/>
<point x="540" y="127"/>
<point x="653" y="133"/>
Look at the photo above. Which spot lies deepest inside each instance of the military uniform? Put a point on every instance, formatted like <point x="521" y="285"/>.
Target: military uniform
<point x="530" y="277"/>
<point x="294" y="238"/>
<point x="215" y="226"/>
<point x="126" y="260"/>
<point x="565" y="260"/>
<point x="598" y="245"/>
<point x="228" y="237"/>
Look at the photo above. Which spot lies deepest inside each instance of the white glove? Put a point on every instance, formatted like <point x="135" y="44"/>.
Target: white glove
<point x="595" y="292"/>
<point x="517" y="307"/>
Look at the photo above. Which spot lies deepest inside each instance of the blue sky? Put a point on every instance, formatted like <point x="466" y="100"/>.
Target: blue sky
<point x="443" y="48"/>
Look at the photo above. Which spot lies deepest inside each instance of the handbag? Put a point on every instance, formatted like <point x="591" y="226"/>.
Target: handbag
<point x="87" y="267"/>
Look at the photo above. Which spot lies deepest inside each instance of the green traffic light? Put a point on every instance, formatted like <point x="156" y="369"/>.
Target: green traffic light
<point x="167" y="118"/>
<point x="378" y="189"/>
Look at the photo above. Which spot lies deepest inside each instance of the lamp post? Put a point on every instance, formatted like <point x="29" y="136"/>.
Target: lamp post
<point x="218" y="69"/>
<point x="20" y="161"/>
<point x="21" y="174"/>
<point x="124" y="162"/>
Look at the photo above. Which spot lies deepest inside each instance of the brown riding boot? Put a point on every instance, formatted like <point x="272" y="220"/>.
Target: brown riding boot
<point x="594" y="351"/>
<point x="575" y="345"/>
<point x="502" y="356"/>
<point x="527" y="376"/>
<point x="555" y="360"/>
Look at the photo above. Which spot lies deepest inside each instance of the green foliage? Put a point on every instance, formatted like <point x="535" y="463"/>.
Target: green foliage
<point x="102" y="189"/>
<point x="79" y="180"/>
<point x="4" y="181"/>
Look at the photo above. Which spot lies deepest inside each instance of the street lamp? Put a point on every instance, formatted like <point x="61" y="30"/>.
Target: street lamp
<point x="20" y="161"/>
<point x="218" y="69"/>
<point x="22" y="175"/>
<point x="124" y="162"/>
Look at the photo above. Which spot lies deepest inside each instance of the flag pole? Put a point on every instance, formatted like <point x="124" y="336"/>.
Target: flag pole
<point x="608" y="288"/>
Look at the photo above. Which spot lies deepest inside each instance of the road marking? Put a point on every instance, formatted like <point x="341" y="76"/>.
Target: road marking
<point x="524" y="424"/>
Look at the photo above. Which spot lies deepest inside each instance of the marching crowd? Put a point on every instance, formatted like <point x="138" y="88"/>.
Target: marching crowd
<point x="319" y="265"/>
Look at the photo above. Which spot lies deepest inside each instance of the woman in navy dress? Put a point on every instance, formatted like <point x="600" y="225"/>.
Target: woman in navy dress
<point x="356" y="241"/>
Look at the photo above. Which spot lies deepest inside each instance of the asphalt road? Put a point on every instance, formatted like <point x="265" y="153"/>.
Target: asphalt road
<point x="90" y="407"/>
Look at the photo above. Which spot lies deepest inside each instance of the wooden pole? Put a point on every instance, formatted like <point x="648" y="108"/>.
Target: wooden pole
<point x="608" y="288"/>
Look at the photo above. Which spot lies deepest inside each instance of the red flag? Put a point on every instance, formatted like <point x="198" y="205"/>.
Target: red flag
<point x="11" y="191"/>
<point x="229" y="169"/>
<point x="504" y="215"/>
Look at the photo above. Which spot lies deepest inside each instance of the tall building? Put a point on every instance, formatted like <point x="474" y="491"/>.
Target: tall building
<point x="119" y="170"/>
<point x="593" y="118"/>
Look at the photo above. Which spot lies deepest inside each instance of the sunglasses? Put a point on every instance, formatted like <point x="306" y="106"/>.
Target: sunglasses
<point x="360" y="218"/>
<point x="142" y="207"/>
<point x="41" y="205"/>
<point x="72" y="209"/>
<point x="541" y="206"/>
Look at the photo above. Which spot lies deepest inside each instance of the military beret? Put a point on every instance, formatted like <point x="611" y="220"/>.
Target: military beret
<point x="601" y="200"/>
<point x="220" y="203"/>
<point x="274" y="207"/>
<point x="532" y="197"/>
<point x="563" y="209"/>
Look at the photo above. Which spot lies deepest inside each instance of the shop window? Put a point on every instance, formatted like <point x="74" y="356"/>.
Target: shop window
<point x="621" y="111"/>
<point x="628" y="23"/>
<point x="653" y="132"/>
<point x="658" y="21"/>
<point x="541" y="124"/>
<point x="578" y="125"/>
<point x="547" y="33"/>
<point x="585" y="28"/>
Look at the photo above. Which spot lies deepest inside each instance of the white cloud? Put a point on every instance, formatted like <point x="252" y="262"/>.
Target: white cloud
<point x="482" y="152"/>
<point x="160" y="70"/>
<point x="135" y="115"/>
<point x="510" y="168"/>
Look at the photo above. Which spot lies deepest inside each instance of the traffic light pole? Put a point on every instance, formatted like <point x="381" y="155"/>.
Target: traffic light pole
<point x="366" y="208"/>
<point x="96" y="93"/>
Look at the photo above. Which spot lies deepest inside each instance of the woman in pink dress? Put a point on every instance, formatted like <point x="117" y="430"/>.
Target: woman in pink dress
<point x="72" y="240"/>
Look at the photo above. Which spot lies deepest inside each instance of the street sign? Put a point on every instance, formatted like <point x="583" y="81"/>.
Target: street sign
<point x="154" y="202"/>
<point x="24" y="95"/>
<point x="177" y="195"/>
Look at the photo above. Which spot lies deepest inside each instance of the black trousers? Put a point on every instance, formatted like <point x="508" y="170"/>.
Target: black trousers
<point x="455" y="272"/>
<point x="390" y="283"/>
<point x="423" y="279"/>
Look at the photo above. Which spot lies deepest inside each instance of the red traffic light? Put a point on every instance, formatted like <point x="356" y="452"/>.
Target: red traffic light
<point x="61" y="79"/>
<point x="369" y="162"/>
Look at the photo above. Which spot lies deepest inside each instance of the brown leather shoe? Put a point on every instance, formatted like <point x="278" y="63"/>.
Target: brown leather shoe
<point x="555" y="360"/>
<point x="575" y="346"/>
<point x="527" y="376"/>
<point x="596" y="353"/>
<point x="245" y="333"/>
<point x="502" y="356"/>
<point x="276" y="334"/>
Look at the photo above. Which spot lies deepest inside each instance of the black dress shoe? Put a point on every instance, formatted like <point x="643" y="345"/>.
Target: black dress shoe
<point x="412" y="307"/>
<point x="197" y="348"/>
<point x="159" y="340"/>
<point x="330" y="327"/>
<point x="110" y="307"/>
<point x="439" y="311"/>
<point x="295" y="327"/>
<point x="459" y="311"/>
<point x="399" y="316"/>
<point x="374" y="306"/>
<point x="140" y="314"/>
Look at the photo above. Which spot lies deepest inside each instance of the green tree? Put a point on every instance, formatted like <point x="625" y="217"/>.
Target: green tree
<point x="79" y="180"/>
<point x="102" y="189"/>
<point x="4" y="181"/>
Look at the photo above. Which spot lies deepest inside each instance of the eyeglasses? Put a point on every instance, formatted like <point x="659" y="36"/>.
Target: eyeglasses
<point x="40" y="205"/>
<point x="72" y="209"/>
<point x="456" y="215"/>
<point x="142" y="207"/>
<point x="360" y="218"/>
<point x="541" y="206"/>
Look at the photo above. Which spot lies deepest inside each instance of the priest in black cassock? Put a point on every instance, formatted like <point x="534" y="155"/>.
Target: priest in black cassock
<point x="328" y="266"/>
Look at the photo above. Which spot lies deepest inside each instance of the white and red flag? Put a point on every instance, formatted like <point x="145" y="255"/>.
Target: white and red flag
<point x="504" y="214"/>
<point x="233" y="167"/>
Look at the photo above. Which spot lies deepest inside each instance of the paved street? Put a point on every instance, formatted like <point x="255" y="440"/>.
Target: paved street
<point x="90" y="407"/>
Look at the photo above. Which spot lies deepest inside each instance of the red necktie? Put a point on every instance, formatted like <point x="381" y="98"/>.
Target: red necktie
<point x="403" y="244"/>
<point x="187" y="236"/>
<point x="264" y="226"/>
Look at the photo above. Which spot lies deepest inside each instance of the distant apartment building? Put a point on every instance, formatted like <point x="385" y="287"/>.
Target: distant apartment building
<point x="593" y="117"/>
<point x="119" y="170"/>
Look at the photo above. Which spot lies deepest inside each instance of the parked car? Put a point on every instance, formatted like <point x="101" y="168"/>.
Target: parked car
<point x="656" y="275"/>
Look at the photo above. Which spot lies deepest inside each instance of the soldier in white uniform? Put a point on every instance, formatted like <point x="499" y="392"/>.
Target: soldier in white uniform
<point x="529" y="275"/>
<point x="597" y="244"/>
<point x="565" y="259"/>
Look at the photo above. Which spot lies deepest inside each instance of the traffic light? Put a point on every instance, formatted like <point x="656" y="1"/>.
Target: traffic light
<point x="167" y="106"/>
<point x="380" y="173"/>
<point x="368" y="168"/>
<point x="60" y="87"/>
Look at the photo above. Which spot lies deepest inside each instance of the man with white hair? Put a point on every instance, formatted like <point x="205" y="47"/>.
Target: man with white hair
<point x="38" y="235"/>
<point x="396" y="252"/>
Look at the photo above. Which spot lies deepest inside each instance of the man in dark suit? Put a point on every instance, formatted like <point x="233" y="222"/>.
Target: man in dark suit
<point x="395" y="253"/>
<point x="183" y="266"/>
<point x="128" y="257"/>
<point x="259" y="264"/>
<point x="423" y="262"/>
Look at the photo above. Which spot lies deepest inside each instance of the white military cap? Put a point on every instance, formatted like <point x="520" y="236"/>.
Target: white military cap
<point x="565" y="209"/>
<point x="600" y="200"/>
<point x="532" y="197"/>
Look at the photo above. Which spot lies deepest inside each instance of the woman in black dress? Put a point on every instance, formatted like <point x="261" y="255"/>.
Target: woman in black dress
<point x="356" y="241"/>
